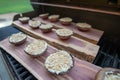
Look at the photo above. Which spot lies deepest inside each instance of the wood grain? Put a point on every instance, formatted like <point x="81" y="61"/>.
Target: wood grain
<point x="82" y="70"/>
<point x="81" y="48"/>
<point x="92" y="36"/>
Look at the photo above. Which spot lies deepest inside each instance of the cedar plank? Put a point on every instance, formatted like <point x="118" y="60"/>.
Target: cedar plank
<point x="92" y="36"/>
<point x="83" y="47"/>
<point x="82" y="70"/>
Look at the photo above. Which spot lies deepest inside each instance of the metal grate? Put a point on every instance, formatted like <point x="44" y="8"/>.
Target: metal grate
<point x="109" y="52"/>
<point x="20" y="72"/>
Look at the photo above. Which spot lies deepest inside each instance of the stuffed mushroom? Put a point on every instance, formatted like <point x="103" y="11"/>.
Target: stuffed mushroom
<point x="64" y="33"/>
<point x="108" y="74"/>
<point x="59" y="62"/>
<point x="36" y="48"/>
<point x="17" y="38"/>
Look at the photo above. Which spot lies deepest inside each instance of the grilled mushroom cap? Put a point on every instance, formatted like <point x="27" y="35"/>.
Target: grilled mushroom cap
<point x="18" y="38"/>
<point x="44" y="16"/>
<point x="24" y="19"/>
<point x="34" y="23"/>
<point x="54" y="18"/>
<point x="108" y="74"/>
<point x="46" y="27"/>
<point x="64" y="33"/>
<point x="83" y="26"/>
<point x="59" y="62"/>
<point x="36" y="48"/>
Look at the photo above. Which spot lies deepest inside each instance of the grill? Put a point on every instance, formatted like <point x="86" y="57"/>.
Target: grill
<point x="109" y="52"/>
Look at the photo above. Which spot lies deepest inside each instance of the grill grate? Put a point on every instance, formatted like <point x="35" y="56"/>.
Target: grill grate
<point x="109" y="52"/>
<point x="20" y="72"/>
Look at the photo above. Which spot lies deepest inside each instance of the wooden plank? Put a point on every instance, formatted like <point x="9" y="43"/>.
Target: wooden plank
<point x="82" y="70"/>
<point x="92" y="36"/>
<point x="82" y="49"/>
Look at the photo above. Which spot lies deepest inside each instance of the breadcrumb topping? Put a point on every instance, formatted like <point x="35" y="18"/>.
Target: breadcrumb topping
<point x="84" y="25"/>
<point x="59" y="62"/>
<point x="46" y="26"/>
<point x="34" y="23"/>
<point x="64" y="32"/>
<point x="112" y="75"/>
<point x="66" y="19"/>
<point x="24" y="18"/>
<point x="46" y="14"/>
<point x="37" y="47"/>
<point x="17" y="37"/>
<point x="53" y="16"/>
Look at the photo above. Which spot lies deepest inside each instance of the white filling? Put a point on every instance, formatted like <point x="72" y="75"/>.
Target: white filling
<point x="111" y="76"/>
<point x="42" y="15"/>
<point x="53" y="16"/>
<point x="83" y="25"/>
<point x="17" y="37"/>
<point x="46" y="26"/>
<point x="66" y="19"/>
<point x="37" y="47"/>
<point x="24" y="18"/>
<point x="59" y="62"/>
<point x="64" y="32"/>
<point x="34" y="23"/>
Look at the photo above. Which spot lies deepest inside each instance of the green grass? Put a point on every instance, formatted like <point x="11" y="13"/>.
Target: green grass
<point x="19" y="6"/>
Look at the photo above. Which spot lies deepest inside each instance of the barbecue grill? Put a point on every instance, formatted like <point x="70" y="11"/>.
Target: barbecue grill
<point x="105" y="19"/>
